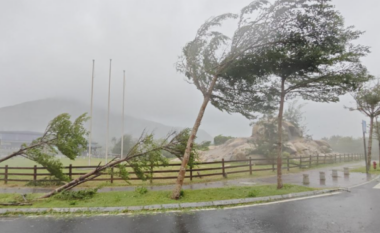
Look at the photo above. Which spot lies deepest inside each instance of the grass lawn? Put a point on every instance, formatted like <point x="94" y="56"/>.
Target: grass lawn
<point x="133" y="198"/>
<point x="371" y="171"/>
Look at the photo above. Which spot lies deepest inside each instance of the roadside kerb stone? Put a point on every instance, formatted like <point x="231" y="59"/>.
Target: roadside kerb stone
<point x="171" y="206"/>
<point x="196" y="204"/>
<point x="152" y="207"/>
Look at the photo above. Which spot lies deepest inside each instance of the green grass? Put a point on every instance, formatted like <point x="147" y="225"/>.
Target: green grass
<point x="371" y="171"/>
<point x="132" y="198"/>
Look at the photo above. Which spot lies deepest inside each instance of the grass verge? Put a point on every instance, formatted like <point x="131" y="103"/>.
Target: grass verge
<point x="133" y="198"/>
<point x="371" y="171"/>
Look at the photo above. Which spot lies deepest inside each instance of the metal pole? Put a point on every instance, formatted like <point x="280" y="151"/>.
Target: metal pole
<point x="365" y="153"/>
<point x="108" y="113"/>
<point x="92" y="98"/>
<point x="122" y="120"/>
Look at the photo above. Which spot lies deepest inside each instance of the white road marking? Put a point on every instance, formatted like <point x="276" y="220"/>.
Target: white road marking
<point x="377" y="186"/>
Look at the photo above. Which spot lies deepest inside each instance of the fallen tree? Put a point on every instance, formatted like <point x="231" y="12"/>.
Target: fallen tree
<point x="145" y="153"/>
<point x="61" y="136"/>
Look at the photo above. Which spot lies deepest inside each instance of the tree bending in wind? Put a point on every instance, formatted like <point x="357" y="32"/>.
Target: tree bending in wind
<point x="260" y="25"/>
<point x="320" y="64"/>
<point x="61" y="135"/>
<point x="368" y="102"/>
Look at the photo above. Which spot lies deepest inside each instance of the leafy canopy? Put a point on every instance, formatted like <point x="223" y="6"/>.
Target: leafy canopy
<point x="61" y="136"/>
<point x="318" y="62"/>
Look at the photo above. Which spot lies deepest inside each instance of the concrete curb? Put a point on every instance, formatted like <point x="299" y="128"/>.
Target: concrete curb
<point x="167" y="206"/>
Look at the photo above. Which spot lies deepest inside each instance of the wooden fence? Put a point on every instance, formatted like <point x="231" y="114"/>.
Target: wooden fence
<point x="202" y="169"/>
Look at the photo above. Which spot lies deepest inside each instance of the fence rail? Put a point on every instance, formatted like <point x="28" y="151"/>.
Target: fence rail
<point x="201" y="169"/>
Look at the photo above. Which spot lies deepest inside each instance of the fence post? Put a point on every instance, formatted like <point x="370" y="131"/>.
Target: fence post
<point x="191" y="172"/>
<point x="35" y="174"/>
<point x="309" y="161"/>
<point x="223" y="171"/>
<point x="324" y="159"/>
<point x="70" y="170"/>
<point x="111" y="175"/>
<point x="287" y="161"/>
<point x="250" y="166"/>
<point x="151" y="174"/>
<point x="300" y="161"/>
<point x="273" y="165"/>
<point x="317" y="159"/>
<point x="335" y="159"/>
<point x="6" y="174"/>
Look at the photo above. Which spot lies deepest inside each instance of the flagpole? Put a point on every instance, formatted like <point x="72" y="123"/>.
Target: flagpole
<point x="92" y="98"/>
<point x="108" y="112"/>
<point x="122" y="120"/>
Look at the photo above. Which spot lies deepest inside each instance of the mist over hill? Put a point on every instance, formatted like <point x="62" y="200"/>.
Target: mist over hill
<point x="35" y="115"/>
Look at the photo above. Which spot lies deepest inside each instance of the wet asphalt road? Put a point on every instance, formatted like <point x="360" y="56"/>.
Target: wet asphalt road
<point x="355" y="211"/>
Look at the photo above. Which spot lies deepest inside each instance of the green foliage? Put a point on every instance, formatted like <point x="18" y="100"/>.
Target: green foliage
<point x="53" y="165"/>
<point x="141" y="190"/>
<point x="76" y="195"/>
<point x="220" y="139"/>
<point x="120" y="171"/>
<point x="148" y="153"/>
<point x="62" y="136"/>
<point x="253" y="193"/>
<point x="178" y="148"/>
<point x="182" y="193"/>
<point x="266" y="137"/>
<point x="67" y="136"/>
<point x="128" y="143"/>
<point x="204" y="146"/>
<point x="316" y="61"/>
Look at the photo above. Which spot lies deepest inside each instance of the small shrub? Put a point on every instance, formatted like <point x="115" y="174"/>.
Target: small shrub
<point x="182" y="193"/>
<point x="72" y="202"/>
<point x="141" y="190"/>
<point x="253" y="193"/>
<point x="76" y="195"/>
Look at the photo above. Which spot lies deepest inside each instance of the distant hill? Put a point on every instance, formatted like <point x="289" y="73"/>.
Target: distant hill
<point x="35" y="115"/>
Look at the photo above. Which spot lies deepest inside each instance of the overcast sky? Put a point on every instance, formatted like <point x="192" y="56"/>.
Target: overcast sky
<point x="47" y="47"/>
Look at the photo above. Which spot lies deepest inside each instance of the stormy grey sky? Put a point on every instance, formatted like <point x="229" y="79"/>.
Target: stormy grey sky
<point x="47" y="47"/>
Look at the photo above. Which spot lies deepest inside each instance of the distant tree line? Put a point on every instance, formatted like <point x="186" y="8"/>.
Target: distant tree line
<point x="343" y="144"/>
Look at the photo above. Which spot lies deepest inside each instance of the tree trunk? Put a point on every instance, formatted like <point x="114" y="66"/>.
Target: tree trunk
<point x="11" y="156"/>
<point x="370" y="142"/>
<point x="181" y="174"/>
<point x="279" y="130"/>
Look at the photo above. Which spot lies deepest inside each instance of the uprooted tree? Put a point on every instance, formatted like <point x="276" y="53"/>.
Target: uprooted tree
<point x="320" y="64"/>
<point x="61" y="136"/>
<point x="146" y="153"/>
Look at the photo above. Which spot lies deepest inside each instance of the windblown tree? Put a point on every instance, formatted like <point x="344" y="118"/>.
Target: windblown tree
<point x="368" y="102"/>
<point x="61" y="136"/>
<point x="145" y="153"/>
<point x="320" y="64"/>
<point x="208" y="57"/>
